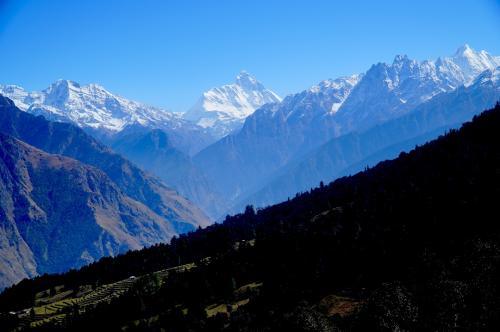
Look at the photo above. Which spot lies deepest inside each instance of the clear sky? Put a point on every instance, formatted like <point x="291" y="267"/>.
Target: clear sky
<point x="166" y="53"/>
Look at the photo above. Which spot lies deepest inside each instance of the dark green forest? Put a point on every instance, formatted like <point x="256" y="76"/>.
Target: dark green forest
<point x="412" y="244"/>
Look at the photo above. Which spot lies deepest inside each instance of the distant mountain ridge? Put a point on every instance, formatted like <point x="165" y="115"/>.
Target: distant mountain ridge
<point x="263" y="137"/>
<point x="271" y="136"/>
<point x="279" y="135"/>
<point x="103" y="113"/>
<point x="390" y="90"/>
<point x="88" y="106"/>
<point x="350" y="153"/>
<point x="153" y="151"/>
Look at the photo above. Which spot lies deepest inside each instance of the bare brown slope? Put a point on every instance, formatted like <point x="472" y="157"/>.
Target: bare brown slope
<point x="57" y="213"/>
<point x="71" y="141"/>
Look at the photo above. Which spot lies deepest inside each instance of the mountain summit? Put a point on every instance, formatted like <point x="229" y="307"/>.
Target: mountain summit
<point x="224" y="109"/>
<point x="474" y="62"/>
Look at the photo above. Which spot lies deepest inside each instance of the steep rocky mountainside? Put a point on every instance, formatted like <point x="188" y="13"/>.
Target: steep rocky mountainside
<point x="71" y="141"/>
<point x="58" y="213"/>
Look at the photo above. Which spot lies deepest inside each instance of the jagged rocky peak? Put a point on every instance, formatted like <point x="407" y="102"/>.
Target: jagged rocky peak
<point x="474" y="62"/>
<point x="59" y="92"/>
<point x="248" y="81"/>
<point x="400" y="59"/>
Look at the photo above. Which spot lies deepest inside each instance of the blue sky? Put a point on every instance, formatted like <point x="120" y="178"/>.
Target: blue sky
<point x="166" y="53"/>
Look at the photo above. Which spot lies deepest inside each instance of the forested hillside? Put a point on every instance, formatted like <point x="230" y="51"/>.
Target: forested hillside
<point x="412" y="244"/>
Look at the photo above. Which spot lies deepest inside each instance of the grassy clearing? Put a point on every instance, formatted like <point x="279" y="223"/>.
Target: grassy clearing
<point x="248" y="288"/>
<point x="339" y="305"/>
<point x="224" y="308"/>
<point x="242" y="296"/>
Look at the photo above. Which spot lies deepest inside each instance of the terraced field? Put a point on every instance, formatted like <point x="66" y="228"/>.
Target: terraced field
<point x="54" y="309"/>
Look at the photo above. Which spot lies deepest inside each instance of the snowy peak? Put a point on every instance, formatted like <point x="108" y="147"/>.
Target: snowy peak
<point x="248" y="82"/>
<point x="473" y="63"/>
<point x="223" y="109"/>
<point x="320" y="100"/>
<point x="337" y="84"/>
<point x="464" y="50"/>
<point x="239" y="99"/>
<point x="21" y="97"/>
<point x="60" y="92"/>
<point x="401" y="60"/>
<point x="332" y="92"/>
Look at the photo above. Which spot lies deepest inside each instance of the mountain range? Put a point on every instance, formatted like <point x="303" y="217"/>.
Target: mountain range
<point x="241" y="140"/>
<point x="104" y="114"/>
<point x="240" y="145"/>
<point x="277" y="137"/>
<point x="125" y="125"/>
<point x="353" y="152"/>
<point x="411" y="244"/>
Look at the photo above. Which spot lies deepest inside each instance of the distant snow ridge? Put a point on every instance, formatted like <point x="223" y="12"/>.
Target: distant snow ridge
<point x="88" y="106"/>
<point x="225" y="108"/>
<point x="336" y="91"/>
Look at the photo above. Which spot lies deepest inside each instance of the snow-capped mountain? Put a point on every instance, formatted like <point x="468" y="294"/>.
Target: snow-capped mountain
<point x="391" y="90"/>
<point x="88" y="106"/>
<point x="469" y="63"/>
<point x="277" y="136"/>
<point x="335" y="91"/>
<point x="325" y="98"/>
<point x="225" y="108"/>
<point x="273" y="135"/>
<point x="351" y="153"/>
<point x="103" y="113"/>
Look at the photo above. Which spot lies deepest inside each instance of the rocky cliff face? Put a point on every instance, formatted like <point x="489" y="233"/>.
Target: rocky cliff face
<point x="58" y="213"/>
